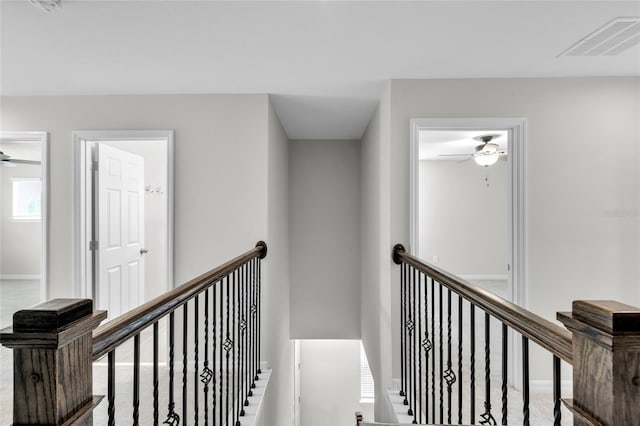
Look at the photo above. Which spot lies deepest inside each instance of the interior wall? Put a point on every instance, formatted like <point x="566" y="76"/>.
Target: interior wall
<point x="325" y="239"/>
<point x="155" y="211"/>
<point x="375" y="291"/>
<point x="20" y="241"/>
<point x="463" y="221"/>
<point x="329" y="382"/>
<point x="277" y="349"/>
<point x="582" y="173"/>
<point x="216" y="217"/>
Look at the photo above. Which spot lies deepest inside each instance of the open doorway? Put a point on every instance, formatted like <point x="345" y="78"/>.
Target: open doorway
<point x="23" y="221"/>
<point x="500" y="266"/>
<point x="124" y="202"/>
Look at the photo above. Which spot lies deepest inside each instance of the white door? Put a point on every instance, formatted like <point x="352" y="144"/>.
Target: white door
<point x="119" y="227"/>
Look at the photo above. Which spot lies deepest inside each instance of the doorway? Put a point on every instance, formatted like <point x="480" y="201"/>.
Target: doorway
<point x="24" y="191"/>
<point x="124" y="202"/>
<point x="510" y="264"/>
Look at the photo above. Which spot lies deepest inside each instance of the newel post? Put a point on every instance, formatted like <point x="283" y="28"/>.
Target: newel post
<point x="52" y="361"/>
<point x="606" y="362"/>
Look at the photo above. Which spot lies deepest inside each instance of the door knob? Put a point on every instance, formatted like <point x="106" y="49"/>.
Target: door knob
<point x="143" y="251"/>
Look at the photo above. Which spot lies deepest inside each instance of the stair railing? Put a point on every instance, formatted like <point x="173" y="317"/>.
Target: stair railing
<point x="213" y="319"/>
<point x="446" y="329"/>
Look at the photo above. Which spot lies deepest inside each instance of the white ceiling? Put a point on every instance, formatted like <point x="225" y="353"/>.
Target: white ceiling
<point x="324" y="61"/>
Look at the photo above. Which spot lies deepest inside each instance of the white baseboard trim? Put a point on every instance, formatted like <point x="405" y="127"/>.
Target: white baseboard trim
<point x="19" y="277"/>
<point x="484" y="277"/>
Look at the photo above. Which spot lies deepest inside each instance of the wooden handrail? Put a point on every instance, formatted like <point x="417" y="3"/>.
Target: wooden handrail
<point x="113" y="333"/>
<point x="550" y="336"/>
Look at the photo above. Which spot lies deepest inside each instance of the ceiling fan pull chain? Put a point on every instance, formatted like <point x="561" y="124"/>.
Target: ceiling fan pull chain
<point x="486" y="175"/>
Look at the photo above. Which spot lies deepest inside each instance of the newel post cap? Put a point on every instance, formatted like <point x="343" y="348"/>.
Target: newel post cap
<point x="607" y="316"/>
<point x="51" y="324"/>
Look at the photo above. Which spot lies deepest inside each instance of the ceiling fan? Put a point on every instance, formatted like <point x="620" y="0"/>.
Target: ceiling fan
<point x="486" y="153"/>
<point x="7" y="161"/>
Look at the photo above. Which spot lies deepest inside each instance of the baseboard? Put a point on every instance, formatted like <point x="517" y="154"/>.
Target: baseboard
<point x="484" y="277"/>
<point x="19" y="277"/>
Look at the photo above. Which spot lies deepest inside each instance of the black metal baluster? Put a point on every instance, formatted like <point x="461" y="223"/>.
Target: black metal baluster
<point x="185" y="343"/>
<point x="426" y="345"/>
<point x="136" y="379"/>
<point x="228" y="345"/>
<point x="247" y="312"/>
<point x="449" y="375"/>
<point x="413" y="346"/>
<point x="256" y="359"/>
<point x="433" y="358"/>
<point x="236" y="349"/>
<point x="234" y="370"/>
<point x="195" y="360"/>
<point x="409" y="325"/>
<point x="557" y="416"/>
<point x="173" y="418"/>
<point x="252" y="328"/>
<point x="205" y="377"/>
<point x="487" y="417"/>
<point x="418" y="351"/>
<point x="403" y="284"/>
<point x="460" y="359"/>
<point x="240" y="395"/>
<point x="472" y="363"/>
<point x="156" y="411"/>
<point x="441" y="352"/>
<point x="504" y="372"/>
<point x="525" y="381"/>
<point x="259" y="302"/>
<point x="111" y="387"/>
<point x="221" y="362"/>
<point x="213" y="353"/>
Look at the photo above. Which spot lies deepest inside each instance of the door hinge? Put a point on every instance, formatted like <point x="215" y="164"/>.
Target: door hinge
<point x="93" y="245"/>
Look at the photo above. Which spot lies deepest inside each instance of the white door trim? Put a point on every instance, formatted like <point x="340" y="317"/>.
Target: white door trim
<point x="81" y="139"/>
<point x="43" y="139"/>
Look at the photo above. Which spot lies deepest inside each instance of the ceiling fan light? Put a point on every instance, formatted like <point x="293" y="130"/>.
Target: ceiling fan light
<point x="486" y="159"/>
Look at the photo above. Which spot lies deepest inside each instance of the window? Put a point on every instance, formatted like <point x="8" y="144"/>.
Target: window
<point x="26" y="199"/>
<point x="366" y="379"/>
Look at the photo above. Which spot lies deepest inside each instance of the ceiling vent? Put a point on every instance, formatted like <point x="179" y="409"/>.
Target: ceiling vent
<point x="47" y="5"/>
<point x="608" y="40"/>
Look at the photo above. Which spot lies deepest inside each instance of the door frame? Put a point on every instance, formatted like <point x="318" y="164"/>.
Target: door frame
<point x="517" y="198"/>
<point x="43" y="139"/>
<point x="83" y="273"/>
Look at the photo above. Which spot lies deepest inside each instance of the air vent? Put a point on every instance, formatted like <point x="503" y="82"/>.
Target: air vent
<point x="609" y="40"/>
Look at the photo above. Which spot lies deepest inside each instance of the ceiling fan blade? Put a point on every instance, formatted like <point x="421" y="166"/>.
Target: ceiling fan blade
<point x="465" y="160"/>
<point x="454" y="155"/>
<point x="5" y="163"/>
<point x="35" y="163"/>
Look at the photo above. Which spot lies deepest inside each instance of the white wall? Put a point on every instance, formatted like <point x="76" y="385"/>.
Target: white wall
<point x="277" y="346"/>
<point x="220" y="190"/>
<point x="463" y="221"/>
<point x="375" y="225"/>
<point x="155" y="211"/>
<point x="583" y="139"/>
<point x="20" y="241"/>
<point x="325" y="239"/>
<point x="329" y="382"/>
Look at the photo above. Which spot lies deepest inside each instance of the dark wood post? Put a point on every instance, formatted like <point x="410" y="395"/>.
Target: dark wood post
<point x="52" y="361"/>
<point x="606" y="362"/>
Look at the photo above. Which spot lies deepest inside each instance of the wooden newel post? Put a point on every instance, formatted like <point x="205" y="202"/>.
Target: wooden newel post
<point x="52" y="361"/>
<point x="606" y="363"/>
